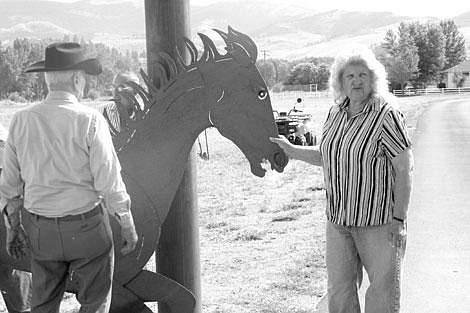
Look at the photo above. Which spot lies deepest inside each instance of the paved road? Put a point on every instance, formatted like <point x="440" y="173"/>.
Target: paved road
<point x="437" y="264"/>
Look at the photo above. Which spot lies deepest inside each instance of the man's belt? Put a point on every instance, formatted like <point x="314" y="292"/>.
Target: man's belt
<point x="69" y="218"/>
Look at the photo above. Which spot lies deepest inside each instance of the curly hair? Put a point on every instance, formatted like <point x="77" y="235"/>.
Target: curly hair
<point x="357" y="55"/>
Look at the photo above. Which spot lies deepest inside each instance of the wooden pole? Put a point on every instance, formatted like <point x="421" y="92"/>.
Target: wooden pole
<point x="177" y="255"/>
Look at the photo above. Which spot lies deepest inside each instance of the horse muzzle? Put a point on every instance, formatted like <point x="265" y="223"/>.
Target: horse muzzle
<point x="279" y="160"/>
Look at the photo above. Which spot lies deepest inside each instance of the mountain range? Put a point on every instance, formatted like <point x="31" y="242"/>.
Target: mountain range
<point x="281" y="31"/>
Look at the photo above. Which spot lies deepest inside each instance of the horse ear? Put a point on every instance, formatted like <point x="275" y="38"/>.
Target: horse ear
<point x="241" y="47"/>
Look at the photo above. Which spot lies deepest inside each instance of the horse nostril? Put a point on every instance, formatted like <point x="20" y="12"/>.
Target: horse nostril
<point x="280" y="159"/>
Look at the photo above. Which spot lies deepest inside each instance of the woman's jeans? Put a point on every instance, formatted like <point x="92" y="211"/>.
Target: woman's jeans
<point x="346" y="249"/>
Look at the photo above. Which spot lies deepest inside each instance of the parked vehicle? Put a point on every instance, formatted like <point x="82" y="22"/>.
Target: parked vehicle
<point x="294" y="125"/>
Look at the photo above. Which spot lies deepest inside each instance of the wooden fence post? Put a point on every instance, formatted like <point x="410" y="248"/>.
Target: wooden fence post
<point x="167" y="21"/>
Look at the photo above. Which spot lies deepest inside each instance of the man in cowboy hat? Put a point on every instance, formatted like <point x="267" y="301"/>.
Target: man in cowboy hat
<point x="60" y="165"/>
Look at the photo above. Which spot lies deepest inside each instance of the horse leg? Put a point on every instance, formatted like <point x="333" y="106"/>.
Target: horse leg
<point x="150" y="286"/>
<point x="124" y="301"/>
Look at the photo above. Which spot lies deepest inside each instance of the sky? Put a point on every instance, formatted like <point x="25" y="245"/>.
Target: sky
<point x="400" y="7"/>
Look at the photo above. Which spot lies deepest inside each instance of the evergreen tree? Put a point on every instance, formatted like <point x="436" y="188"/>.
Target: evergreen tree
<point x="407" y="57"/>
<point x="390" y="42"/>
<point x="399" y="54"/>
<point x="23" y="52"/>
<point x="433" y="54"/>
<point x="429" y="39"/>
<point x="454" y="44"/>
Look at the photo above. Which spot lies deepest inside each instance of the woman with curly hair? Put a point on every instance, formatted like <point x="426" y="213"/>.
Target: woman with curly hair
<point x="367" y="161"/>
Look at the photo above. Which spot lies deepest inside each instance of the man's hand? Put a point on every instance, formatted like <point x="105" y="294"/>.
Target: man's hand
<point x="129" y="239"/>
<point x="17" y="242"/>
<point x="128" y="233"/>
<point x="397" y="236"/>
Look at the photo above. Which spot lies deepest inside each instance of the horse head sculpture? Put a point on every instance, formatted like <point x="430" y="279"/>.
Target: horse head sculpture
<point x="153" y="142"/>
<point x="226" y="92"/>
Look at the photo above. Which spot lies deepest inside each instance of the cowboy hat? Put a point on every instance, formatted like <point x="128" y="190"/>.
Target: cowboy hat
<point x="65" y="56"/>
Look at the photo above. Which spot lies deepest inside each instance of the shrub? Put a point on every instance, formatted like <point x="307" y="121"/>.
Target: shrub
<point x="16" y="97"/>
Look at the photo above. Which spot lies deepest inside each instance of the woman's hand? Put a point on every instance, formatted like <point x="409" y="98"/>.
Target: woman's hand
<point x="309" y="154"/>
<point x="283" y="143"/>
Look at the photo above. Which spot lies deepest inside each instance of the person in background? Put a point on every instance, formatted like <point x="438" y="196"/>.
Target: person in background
<point x="126" y="102"/>
<point x="60" y="165"/>
<point x="125" y="97"/>
<point x="367" y="162"/>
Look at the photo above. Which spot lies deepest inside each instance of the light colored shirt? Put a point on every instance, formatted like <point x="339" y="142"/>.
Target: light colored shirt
<point x="59" y="154"/>
<point x="356" y="154"/>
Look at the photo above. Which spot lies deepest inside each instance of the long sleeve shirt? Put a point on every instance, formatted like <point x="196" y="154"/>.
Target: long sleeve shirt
<point x="59" y="155"/>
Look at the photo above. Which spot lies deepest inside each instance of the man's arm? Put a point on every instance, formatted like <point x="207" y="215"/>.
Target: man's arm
<point x="106" y="171"/>
<point x="11" y="183"/>
<point x="309" y="154"/>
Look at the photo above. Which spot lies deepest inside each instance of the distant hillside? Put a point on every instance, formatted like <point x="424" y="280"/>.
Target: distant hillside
<point x="282" y="31"/>
<point x="36" y="30"/>
<point x="463" y="20"/>
<point x="79" y="17"/>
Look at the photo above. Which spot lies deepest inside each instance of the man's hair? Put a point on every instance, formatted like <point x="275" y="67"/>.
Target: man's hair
<point x="60" y="80"/>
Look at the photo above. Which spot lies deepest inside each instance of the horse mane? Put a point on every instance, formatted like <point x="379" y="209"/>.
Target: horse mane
<point x="167" y="69"/>
<point x="238" y="47"/>
<point x="234" y="40"/>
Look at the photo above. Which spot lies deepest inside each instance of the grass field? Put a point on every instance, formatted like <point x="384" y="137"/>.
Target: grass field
<point x="262" y="239"/>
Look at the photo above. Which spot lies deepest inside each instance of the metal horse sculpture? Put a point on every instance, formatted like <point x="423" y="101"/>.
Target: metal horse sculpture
<point x="153" y="143"/>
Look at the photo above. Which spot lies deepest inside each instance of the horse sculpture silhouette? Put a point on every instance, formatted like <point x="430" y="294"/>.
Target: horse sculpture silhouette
<point x="153" y="144"/>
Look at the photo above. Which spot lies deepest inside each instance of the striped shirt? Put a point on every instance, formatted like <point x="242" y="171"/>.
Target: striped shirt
<point x="356" y="154"/>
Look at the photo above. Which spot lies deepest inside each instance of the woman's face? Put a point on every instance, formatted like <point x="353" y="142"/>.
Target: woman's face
<point x="357" y="82"/>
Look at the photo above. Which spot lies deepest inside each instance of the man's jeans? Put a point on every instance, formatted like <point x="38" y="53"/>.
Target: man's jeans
<point x="349" y="247"/>
<point x="84" y="247"/>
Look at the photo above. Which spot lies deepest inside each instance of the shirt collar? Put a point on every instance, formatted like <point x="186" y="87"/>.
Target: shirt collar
<point x="373" y="104"/>
<point x="63" y="96"/>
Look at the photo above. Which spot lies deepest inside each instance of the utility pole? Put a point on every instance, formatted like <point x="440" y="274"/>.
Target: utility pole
<point x="177" y="256"/>
<point x="264" y="52"/>
<point x="264" y="70"/>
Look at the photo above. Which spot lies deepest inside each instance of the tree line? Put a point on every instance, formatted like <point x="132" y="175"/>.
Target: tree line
<point x="20" y="87"/>
<point x="417" y="54"/>
<point x="282" y="75"/>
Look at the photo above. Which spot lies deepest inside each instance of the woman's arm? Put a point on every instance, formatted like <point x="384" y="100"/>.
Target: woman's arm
<point x="309" y="154"/>
<point x="403" y="166"/>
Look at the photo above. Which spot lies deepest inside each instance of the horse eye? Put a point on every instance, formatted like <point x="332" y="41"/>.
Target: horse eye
<point x="262" y="94"/>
